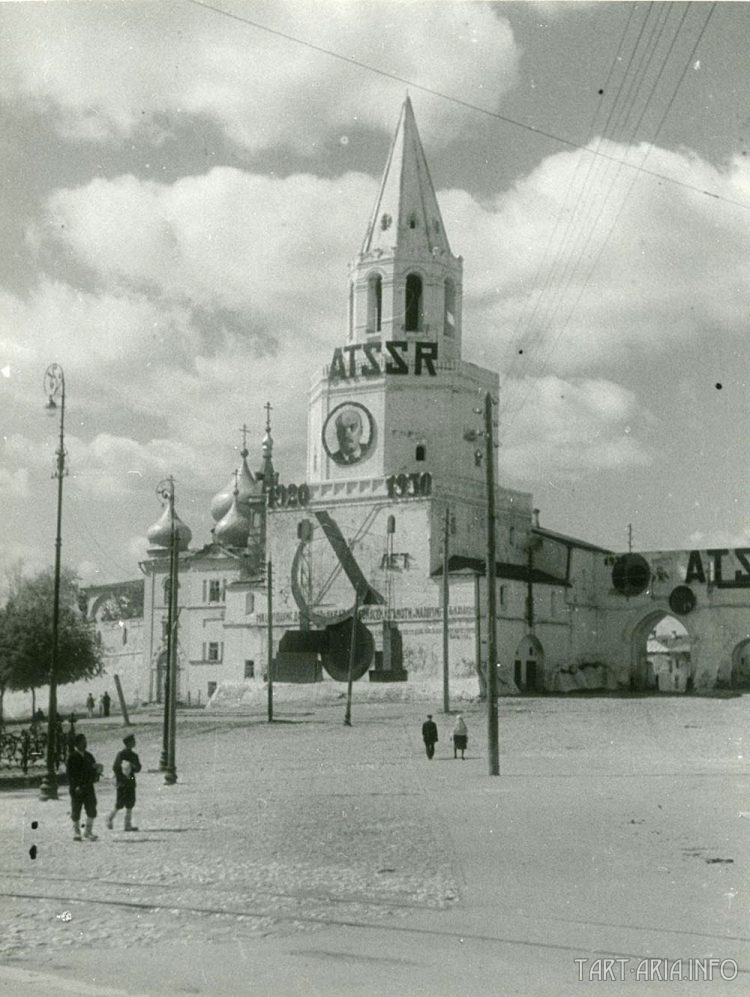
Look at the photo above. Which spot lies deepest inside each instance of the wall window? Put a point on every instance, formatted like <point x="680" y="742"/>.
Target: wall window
<point x="249" y="603"/>
<point x="421" y="452"/>
<point x="213" y="651"/>
<point x="214" y="590"/>
<point x="502" y="595"/>
<point x="249" y="669"/>
<point x="449" y="312"/>
<point x="374" y="303"/>
<point x="211" y="689"/>
<point x="413" y="303"/>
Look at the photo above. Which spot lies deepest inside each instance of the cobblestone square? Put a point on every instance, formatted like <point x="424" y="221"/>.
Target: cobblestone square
<point x="306" y="856"/>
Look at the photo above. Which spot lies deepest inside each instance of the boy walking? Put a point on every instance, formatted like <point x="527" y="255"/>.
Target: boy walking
<point x="127" y="763"/>
<point x="83" y="771"/>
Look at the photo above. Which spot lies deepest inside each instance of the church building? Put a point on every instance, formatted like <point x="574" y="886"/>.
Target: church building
<point x="395" y="490"/>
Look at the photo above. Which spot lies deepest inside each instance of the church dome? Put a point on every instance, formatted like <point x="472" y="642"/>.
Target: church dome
<point x="247" y="490"/>
<point x="233" y="529"/>
<point x="160" y="534"/>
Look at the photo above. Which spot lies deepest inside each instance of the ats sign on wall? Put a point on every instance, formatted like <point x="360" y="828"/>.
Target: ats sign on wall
<point x="724" y="568"/>
<point x="373" y="359"/>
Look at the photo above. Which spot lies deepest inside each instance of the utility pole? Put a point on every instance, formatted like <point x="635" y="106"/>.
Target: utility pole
<point x="352" y="652"/>
<point x="492" y="732"/>
<point x="269" y="638"/>
<point x="446" y="597"/>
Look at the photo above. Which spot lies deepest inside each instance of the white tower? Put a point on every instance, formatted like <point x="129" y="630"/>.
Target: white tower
<point x="396" y="398"/>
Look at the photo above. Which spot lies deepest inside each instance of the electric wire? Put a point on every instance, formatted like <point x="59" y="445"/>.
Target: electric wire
<point x="620" y="210"/>
<point x="564" y="269"/>
<point x="459" y="102"/>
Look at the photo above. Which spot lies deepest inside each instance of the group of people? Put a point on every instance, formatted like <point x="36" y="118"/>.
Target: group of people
<point x="105" y="703"/>
<point x="460" y="736"/>
<point x="84" y="772"/>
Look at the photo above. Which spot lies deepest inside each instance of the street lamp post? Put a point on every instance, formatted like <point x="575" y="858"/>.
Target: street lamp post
<point x="170" y="769"/>
<point x="165" y="491"/>
<point x="54" y="387"/>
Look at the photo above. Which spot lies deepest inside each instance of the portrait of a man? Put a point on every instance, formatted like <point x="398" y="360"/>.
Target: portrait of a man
<point x="347" y="435"/>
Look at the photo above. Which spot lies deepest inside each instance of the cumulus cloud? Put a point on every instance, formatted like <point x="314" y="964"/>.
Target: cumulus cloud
<point x="576" y="268"/>
<point x="551" y="427"/>
<point x="158" y="64"/>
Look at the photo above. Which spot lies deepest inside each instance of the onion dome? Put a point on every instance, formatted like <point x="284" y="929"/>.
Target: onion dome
<point x="160" y="534"/>
<point x="233" y="529"/>
<point x="245" y="486"/>
<point x="247" y="490"/>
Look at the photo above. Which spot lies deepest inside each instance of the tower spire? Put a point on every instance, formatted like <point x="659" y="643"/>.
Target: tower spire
<point x="406" y="213"/>
<point x="406" y="279"/>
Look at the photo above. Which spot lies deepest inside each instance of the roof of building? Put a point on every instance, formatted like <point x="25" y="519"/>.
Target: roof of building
<point x="569" y="541"/>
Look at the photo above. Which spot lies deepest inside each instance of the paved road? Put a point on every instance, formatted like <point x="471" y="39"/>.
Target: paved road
<point x="306" y="856"/>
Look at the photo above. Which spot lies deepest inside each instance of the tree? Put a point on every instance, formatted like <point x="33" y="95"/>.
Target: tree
<point x="26" y="634"/>
<point x="4" y="666"/>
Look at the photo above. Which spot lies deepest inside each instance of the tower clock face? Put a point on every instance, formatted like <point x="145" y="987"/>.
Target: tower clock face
<point x="349" y="434"/>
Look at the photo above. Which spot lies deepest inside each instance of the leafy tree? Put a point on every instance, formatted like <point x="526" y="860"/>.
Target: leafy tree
<point x="4" y="664"/>
<point x="26" y="634"/>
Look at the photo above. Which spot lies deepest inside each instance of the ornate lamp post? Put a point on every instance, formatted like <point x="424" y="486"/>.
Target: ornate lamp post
<point x="54" y="387"/>
<point x="167" y="763"/>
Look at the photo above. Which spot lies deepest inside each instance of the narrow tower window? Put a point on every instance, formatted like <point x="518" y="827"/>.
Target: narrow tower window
<point x="449" y="317"/>
<point x="421" y="451"/>
<point x="413" y="309"/>
<point x="374" y="303"/>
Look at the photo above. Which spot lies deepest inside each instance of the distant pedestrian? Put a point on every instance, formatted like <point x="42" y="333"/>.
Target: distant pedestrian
<point x="460" y="736"/>
<point x="429" y="735"/>
<point x="105" y="704"/>
<point x="127" y="763"/>
<point x="83" y="771"/>
<point x="90" y="704"/>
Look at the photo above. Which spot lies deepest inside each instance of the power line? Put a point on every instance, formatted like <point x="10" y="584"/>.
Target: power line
<point x="350" y="60"/>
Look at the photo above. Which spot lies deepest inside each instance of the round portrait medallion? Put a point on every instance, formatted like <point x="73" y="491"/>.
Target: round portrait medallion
<point x="349" y="434"/>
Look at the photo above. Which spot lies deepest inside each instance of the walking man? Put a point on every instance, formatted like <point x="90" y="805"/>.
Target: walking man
<point x="83" y="771"/>
<point x="429" y="735"/>
<point x="127" y="763"/>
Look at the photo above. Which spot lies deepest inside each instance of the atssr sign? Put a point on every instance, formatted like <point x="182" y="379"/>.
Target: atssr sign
<point x="727" y="569"/>
<point x="397" y="356"/>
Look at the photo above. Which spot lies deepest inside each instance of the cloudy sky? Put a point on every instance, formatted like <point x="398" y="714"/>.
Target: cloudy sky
<point x="183" y="185"/>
